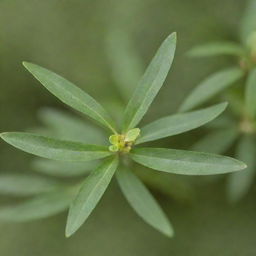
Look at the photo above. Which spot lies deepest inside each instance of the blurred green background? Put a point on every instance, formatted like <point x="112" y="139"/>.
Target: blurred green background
<point x="69" y="37"/>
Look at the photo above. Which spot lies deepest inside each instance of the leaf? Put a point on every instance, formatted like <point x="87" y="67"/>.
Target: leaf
<point x="68" y="127"/>
<point x="41" y="206"/>
<point x="250" y="94"/>
<point x="217" y="48"/>
<point x="150" y="83"/>
<point x="217" y="141"/>
<point x="179" y="123"/>
<point x="89" y="195"/>
<point x="63" y="169"/>
<point x="132" y="134"/>
<point x="143" y="202"/>
<point x="248" y="23"/>
<point x="25" y="185"/>
<point x="185" y="162"/>
<point x="210" y="87"/>
<point x="127" y="66"/>
<point x="70" y="94"/>
<point x="240" y="183"/>
<point x="54" y="149"/>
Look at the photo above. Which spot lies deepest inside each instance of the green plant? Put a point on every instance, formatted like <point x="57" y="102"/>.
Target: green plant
<point x="238" y="86"/>
<point x="124" y="146"/>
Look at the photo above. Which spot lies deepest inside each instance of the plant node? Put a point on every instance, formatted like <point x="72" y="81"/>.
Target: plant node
<point x="123" y="142"/>
<point x="246" y="126"/>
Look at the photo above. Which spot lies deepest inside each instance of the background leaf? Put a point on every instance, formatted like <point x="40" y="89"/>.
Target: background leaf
<point x="150" y="83"/>
<point x="250" y="94"/>
<point x="41" y="206"/>
<point x="24" y="185"/>
<point x="211" y="86"/>
<point x="89" y="195"/>
<point x="216" y="49"/>
<point x="143" y="202"/>
<point x="239" y="183"/>
<point x="248" y="23"/>
<point x="63" y="169"/>
<point x="185" y="162"/>
<point x="217" y="141"/>
<point x="54" y="149"/>
<point x="126" y="64"/>
<point x="70" y="94"/>
<point x="179" y="123"/>
<point x="68" y="127"/>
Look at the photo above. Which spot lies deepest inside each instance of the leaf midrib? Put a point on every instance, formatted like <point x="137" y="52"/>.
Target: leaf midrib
<point x="181" y="161"/>
<point x="145" y="98"/>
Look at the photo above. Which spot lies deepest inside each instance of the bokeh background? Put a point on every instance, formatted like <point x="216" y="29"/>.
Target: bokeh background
<point x="70" y="38"/>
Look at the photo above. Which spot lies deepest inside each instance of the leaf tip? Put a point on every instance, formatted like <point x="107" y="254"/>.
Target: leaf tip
<point x="172" y="36"/>
<point x="69" y="231"/>
<point x="25" y="63"/>
<point x="222" y="106"/>
<point x="3" y="135"/>
<point x="169" y="232"/>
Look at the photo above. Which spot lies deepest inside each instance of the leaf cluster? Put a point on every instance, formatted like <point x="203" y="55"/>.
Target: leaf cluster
<point x="118" y="159"/>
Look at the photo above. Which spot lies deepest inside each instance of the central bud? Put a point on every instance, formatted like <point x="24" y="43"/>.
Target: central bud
<point x="123" y="142"/>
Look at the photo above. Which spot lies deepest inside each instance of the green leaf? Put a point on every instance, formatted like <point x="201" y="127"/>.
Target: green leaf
<point x="89" y="195"/>
<point x="66" y="126"/>
<point x="217" y="48"/>
<point x="150" y="83"/>
<point x="41" y="206"/>
<point x="210" y="87"/>
<point x="248" y="23"/>
<point x="114" y="139"/>
<point x="179" y="123"/>
<point x="70" y="94"/>
<point x="250" y="94"/>
<point x="185" y="162"/>
<point x="143" y="202"/>
<point x="25" y="185"/>
<point x="63" y="169"/>
<point x="127" y="66"/>
<point x="240" y="183"/>
<point x="217" y="141"/>
<point x="54" y="149"/>
<point x="132" y="134"/>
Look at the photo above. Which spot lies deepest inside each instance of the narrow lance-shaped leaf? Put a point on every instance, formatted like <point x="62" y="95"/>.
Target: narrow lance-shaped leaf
<point x="70" y="94"/>
<point x="143" y="202"/>
<point x="239" y="183"/>
<point x="217" y="48"/>
<point x="24" y="185"/>
<point x="150" y="83"/>
<point x="126" y="65"/>
<point x="185" y="162"/>
<point x="41" y="206"/>
<point x="210" y="87"/>
<point x="89" y="195"/>
<point x="179" y="123"/>
<point x="63" y="169"/>
<point x="248" y="23"/>
<point x="54" y="149"/>
<point x="217" y="141"/>
<point x="65" y="126"/>
<point x="250" y="94"/>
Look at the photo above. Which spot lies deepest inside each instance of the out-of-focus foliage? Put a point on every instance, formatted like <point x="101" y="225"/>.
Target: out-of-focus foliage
<point x="241" y="93"/>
